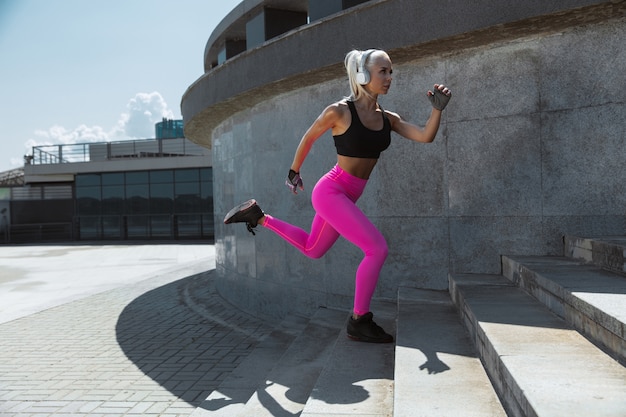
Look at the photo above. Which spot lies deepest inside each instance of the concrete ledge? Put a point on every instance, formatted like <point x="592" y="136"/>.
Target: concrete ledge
<point x="358" y="378"/>
<point x="591" y="300"/>
<point x="607" y="252"/>
<point x="539" y="365"/>
<point x="424" y="28"/>
<point x="233" y="26"/>
<point x="438" y="372"/>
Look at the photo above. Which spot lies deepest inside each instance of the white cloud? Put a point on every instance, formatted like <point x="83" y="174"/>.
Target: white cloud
<point x="143" y="111"/>
<point x="60" y="135"/>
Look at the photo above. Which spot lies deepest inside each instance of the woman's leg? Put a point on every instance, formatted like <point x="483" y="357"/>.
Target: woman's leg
<point x="334" y="199"/>
<point x="314" y="244"/>
<point x="347" y="219"/>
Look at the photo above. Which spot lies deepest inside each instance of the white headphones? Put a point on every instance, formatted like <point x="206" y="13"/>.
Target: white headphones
<point x="362" y="74"/>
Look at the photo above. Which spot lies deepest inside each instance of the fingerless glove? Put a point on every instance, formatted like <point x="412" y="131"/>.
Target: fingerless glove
<point x="294" y="181"/>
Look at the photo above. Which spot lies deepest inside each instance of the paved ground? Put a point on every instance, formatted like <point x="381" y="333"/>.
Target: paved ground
<point x="115" y="330"/>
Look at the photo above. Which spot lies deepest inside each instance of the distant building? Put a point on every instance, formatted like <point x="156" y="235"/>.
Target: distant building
<point x="151" y="189"/>
<point x="169" y="129"/>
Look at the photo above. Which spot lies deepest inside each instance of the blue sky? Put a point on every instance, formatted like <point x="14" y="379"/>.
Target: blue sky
<point x="74" y="71"/>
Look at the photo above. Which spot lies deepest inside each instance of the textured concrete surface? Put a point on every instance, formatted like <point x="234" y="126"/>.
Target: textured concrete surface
<point x="438" y="371"/>
<point x="590" y="299"/>
<point x="134" y="341"/>
<point x="420" y="28"/>
<point x="35" y="278"/>
<point x="538" y="364"/>
<point x="164" y="343"/>
<point x="529" y="150"/>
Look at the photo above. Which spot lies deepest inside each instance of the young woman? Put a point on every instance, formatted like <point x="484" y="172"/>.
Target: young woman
<point x="361" y="130"/>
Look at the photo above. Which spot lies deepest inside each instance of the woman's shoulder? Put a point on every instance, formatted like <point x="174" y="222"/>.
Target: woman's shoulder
<point x="338" y="108"/>
<point x="393" y="116"/>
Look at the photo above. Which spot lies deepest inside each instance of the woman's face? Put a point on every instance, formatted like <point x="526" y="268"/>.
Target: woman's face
<point x="380" y="73"/>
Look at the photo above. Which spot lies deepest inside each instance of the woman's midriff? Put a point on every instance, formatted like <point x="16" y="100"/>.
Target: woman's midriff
<point x="358" y="167"/>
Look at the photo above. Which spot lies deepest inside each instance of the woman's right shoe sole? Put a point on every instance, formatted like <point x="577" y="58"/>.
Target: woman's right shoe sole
<point x="241" y="207"/>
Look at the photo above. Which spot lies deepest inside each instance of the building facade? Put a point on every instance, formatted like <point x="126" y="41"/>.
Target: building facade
<point x="152" y="189"/>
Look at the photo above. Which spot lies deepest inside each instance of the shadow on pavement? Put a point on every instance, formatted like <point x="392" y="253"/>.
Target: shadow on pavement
<point x="184" y="337"/>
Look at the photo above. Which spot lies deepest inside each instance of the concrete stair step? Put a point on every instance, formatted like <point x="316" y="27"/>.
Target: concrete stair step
<point x="590" y="299"/>
<point x="237" y="389"/>
<point x="538" y="364"/>
<point x="286" y="388"/>
<point x="608" y="252"/>
<point x="358" y="377"/>
<point x="437" y="370"/>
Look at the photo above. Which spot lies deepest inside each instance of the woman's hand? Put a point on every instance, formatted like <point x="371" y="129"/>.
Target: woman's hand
<point x="439" y="97"/>
<point x="294" y="181"/>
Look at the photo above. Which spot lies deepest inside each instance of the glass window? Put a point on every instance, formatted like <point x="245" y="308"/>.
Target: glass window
<point x="138" y="227"/>
<point x="206" y="189"/>
<point x="113" y="178"/>
<point x="5" y="193"/>
<point x="87" y="179"/>
<point x="162" y="198"/>
<point x="206" y="174"/>
<point x="161" y="226"/>
<point x="158" y="177"/>
<point x="111" y="227"/>
<point x="188" y="198"/>
<point x="188" y="188"/>
<point x="188" y="225"/>
<point x="137" y="199"/>
<point x="188" y="203"/>
<point x="145" y="204"/>
<point x="113" y="199"/>
<point x="88" y="200"/>
<point x="208" y="228"/>
<point x="89" y="227"/>
<point x="140" y="177"/>
<point x="186" y="175"/>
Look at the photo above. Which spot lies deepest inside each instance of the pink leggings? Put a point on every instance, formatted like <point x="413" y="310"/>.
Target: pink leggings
<point x="334" y="197"/>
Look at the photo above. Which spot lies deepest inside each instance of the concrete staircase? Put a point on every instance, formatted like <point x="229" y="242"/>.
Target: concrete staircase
<point x="530" y="323"/>
<point x="544" y="339"/>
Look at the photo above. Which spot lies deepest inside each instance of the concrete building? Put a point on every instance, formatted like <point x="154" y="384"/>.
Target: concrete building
<point x="150" y="189"/>
<point x="530" y="148"/>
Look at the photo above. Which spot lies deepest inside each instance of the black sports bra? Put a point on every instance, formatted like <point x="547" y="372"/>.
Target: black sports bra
<point x="359" y="141"/>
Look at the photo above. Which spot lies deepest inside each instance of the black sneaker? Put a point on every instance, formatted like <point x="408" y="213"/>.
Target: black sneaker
<point x="248" y="212"/>
<point x="364" y="329"/>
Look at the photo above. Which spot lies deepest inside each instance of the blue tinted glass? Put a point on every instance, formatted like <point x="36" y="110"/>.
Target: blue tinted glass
<point x="187" y="188"/>
<point x="113" y="199"/>
<point x="137" y="199"/>
<point x="206" y="174"/>
<point x="189" y="225"/>
<point x="137" y="227"/>
<point x="140" y="177"/>
<point x="186" y="175"/>
<point x="160" y="226"/>
<point x="111" y="227"/>
<point x="90" y="227"/>
<point x="87" y="179"/>
<point x="161" y="176"/>
<point x="88" y="200"/>
<point x="161" y="198"/>
<point x="206" y="189"/>
<point x="113" y="178"/>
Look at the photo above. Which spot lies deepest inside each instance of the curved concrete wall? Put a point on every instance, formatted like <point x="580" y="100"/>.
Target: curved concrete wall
<point x="530" y="149"/>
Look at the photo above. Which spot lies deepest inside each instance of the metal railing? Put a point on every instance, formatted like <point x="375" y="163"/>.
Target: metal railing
<point x="103" y="151"/>
<point x="38" y="233"/>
